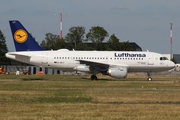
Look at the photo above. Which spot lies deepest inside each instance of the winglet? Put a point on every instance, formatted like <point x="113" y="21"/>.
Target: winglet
<point x="23" y="41"/>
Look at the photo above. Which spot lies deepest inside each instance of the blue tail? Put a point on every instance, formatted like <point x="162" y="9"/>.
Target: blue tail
<point x="23" y="41"/>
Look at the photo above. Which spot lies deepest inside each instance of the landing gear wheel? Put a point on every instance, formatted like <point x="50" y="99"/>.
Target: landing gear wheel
<point x="149" y="76"/>
<point x="93" y="77"/>
<point x="149" y="79"/>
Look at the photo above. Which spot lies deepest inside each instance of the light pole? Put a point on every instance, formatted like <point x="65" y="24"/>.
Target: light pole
<point x="61" y="25"/>
<point x="171" y="39"/>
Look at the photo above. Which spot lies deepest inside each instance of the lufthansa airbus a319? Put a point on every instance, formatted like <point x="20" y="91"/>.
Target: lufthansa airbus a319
<point x="113" y="63"/>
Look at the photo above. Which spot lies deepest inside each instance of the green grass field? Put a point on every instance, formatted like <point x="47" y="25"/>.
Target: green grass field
<point x="54" y="97"/>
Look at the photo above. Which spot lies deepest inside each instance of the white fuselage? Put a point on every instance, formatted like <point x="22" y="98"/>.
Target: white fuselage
<point x="71" y="60"/>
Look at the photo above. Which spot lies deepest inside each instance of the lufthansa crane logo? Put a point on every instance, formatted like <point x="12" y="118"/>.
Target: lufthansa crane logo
<point x="20" y="36"/>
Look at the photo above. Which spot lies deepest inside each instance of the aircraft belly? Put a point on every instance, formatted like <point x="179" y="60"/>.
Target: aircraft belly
<point x="147" y="68"/>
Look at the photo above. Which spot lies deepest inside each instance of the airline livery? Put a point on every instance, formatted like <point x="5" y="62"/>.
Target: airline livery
<point x="113" y="63"/>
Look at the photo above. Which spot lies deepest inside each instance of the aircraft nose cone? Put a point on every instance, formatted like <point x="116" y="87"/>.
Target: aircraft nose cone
<point x="171" y="64"/>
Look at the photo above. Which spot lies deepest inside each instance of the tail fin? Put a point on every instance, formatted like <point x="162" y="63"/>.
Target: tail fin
<point x="23" y="41"/>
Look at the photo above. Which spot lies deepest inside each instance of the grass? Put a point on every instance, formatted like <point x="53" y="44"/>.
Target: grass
<point x="76" y="97"/>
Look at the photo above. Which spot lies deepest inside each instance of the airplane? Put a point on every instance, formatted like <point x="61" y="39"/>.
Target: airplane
<point x="113" y="63"/>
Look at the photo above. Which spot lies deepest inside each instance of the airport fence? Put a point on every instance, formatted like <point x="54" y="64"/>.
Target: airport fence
<point x="13" y="69"/>
<point x="27" y="69"/>
<point x="9" y="69"/>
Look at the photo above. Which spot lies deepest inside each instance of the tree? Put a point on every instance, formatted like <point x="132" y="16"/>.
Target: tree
<point x="3" y="50"/>
<point x="113" y="43"/>
<point x="173" y="60"/>
<point x="81" y="46"/>
<point x="75" y="35"/>
<point x="52" y="42"/>
<point x="125" y="46"/>
<point x="96" y="34"/>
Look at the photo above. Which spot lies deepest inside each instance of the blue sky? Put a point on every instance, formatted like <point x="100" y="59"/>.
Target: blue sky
<point x="146" y="22"/>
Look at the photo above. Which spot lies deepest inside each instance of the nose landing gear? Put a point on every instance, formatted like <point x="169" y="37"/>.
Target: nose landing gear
<point x="149" y="76"/>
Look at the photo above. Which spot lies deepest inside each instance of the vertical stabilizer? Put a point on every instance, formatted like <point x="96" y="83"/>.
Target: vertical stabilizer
<point x="23" y="41"/>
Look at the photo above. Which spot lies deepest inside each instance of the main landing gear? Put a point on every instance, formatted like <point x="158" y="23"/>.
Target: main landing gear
<point x="94" y="71"/>
<point x="149" y="76"/>
<point x="93" y="77"/>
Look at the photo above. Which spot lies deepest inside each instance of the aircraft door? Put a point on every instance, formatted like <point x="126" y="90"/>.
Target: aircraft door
<point x="44" y="58"/>
<point x="150" y="59"/>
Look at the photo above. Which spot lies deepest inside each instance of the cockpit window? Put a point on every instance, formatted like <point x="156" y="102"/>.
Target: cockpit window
<point x="163" y="58"/>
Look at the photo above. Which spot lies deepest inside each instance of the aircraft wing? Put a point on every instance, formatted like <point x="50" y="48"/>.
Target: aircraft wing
<point x="92" y="63"/>
<point x="101" y="64"/>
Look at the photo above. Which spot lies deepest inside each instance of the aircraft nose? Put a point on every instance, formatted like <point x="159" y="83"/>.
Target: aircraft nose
<point x="171" y="64"/>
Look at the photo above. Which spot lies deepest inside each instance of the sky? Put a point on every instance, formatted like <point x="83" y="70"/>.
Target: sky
<point x="145" y="22"/>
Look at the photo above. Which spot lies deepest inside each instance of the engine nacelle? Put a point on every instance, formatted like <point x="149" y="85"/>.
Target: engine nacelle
<point x="82" y="68"/>
<point x="118" y="72"/>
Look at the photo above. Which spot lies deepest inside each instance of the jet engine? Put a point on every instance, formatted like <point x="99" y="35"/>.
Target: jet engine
<point x="118" y="72"/>
<point x="82" y="68"/>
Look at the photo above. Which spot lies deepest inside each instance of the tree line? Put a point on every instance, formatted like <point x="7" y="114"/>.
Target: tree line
<point x="78" y="40"/>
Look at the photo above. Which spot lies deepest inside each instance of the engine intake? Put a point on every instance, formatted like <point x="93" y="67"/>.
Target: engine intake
<point x="119" y="72"/>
